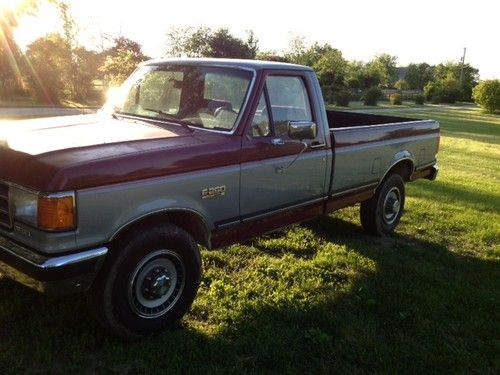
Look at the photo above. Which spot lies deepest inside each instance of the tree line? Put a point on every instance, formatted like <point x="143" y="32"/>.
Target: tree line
<point x="56" y="67"/>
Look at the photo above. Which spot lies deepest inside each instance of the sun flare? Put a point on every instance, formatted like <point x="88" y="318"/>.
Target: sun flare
<point x="10" y="5"/>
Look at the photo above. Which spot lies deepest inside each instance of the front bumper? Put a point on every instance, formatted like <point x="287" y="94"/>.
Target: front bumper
<point x="57" y="275"/>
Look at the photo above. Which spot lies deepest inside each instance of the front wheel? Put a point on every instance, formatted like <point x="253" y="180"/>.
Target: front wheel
<point x="381" y="214"/>
<point x="148" y="283"/>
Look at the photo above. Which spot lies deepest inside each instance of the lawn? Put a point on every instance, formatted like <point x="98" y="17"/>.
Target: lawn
<point x="321" y="297"/>
<point x="28" y="103"/>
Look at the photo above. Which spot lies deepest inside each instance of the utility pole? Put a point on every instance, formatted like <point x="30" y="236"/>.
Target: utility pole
<point x="462" y="67"/>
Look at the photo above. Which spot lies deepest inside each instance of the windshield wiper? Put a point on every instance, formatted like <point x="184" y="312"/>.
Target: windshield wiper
<point x="170" y="117"/>
<point x="160" y="112"/>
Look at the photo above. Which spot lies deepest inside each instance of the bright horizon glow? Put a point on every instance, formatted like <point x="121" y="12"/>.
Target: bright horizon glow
<point x="10" y="5"/>
<point x="424" y="31"/>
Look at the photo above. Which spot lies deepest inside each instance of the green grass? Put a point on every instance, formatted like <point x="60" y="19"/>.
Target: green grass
<point x="380" y="104"/>
<point x="21" y="102"/>
<point x="28" y="102"/>
<point x="385" y="104"/>
<point x="321" y="297"/>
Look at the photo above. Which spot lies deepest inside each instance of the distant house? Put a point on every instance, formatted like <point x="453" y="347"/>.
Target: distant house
<point x="401" y="72"/>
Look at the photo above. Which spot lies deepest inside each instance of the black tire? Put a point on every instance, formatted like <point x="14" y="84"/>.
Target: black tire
<point x="148" y="281"/>
<point x="380" y="215"/>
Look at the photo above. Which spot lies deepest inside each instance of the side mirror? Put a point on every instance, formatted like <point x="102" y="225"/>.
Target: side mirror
<point x="302" y="130"/>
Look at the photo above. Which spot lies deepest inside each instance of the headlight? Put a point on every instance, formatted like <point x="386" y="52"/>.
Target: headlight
<point x="25" y="206"/>
<point x="53" y="212"/>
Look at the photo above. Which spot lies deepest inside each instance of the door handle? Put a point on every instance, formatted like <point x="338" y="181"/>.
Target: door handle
<point x="283" y="168"/>
<point x="317" y="145"/>
<point x="277" y="142"/>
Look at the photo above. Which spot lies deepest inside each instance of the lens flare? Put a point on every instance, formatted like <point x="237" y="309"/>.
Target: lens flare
<point x="10" y="5"/>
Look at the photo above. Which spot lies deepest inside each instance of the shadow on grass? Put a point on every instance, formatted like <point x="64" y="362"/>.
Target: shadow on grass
<point x="476" y="127"/>
<point x="423" y="309"/>
<point x="458" y="195"/>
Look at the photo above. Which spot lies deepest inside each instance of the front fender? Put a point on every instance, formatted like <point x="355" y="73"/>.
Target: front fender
<point x="138" y="212"/>
<point x="104" y="211"/>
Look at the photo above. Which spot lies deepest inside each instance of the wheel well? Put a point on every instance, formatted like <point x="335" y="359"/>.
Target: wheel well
<point x="404" y="168"/>
<point x="187" y="220"/>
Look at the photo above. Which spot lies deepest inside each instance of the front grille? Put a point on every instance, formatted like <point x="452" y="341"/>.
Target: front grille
<point x="5" y="220"/>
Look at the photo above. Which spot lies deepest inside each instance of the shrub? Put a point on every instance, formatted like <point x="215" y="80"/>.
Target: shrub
<point x="429" y="90"/>
<point x="372" y="96"/>
<point x="401" y="85"/>
<point x="487" y="95"/>
<point x="419" y="99"/>
<point x="353" y="83"/>
<point x="446" y="90"/>
<point x="328" y="93"/>
<point x="342" y="98"/>
<point x="396" y="99"/>
<point x="449" y="90"/>
<point x="356" y="95"/>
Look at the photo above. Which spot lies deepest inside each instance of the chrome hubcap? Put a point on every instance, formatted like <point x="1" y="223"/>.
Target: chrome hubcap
<point x="156" y="284"/>
<point x="392" y="205"/>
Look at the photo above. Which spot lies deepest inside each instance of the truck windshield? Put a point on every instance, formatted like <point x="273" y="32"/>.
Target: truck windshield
<point x="206" y="97"/>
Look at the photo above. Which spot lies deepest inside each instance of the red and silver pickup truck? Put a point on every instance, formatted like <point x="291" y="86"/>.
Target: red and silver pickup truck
<point x="194" y="151"/>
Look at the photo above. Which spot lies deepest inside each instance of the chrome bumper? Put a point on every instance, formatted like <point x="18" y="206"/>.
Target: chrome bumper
<point x="429" y="173"/>
<point x="56" y="275"/>
<point x="434" y="172"/>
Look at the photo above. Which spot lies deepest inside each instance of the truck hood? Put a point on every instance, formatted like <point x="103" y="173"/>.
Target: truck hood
<point x="76" y="152"/>
<point x="41" y="136"/>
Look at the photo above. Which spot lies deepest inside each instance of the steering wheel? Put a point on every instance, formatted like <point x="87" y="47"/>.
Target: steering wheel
<point x="218" y="111"/>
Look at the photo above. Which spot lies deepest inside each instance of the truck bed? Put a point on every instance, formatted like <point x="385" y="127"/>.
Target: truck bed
<point x="340" y="119"/>
<point x="366" y="146"/>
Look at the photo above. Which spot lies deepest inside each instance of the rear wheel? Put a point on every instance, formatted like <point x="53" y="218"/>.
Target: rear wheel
<point x="381" y="214"/>
<point x="148" y="282"/>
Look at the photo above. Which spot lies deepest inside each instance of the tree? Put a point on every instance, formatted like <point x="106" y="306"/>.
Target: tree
<point x="447" y="90"/>
<point x="271" y="56"/>
<point x="328" y="62"/>
<point x="78" y="66"/>
<point x="469" y="79"/>
<point x="385" y="67"/>
<point x="10" y="55"/>
<point x="70" y="68"/>
<point x="48" y="61"/>
<point x="487" y="95"/>
<point x="361" y="75"/>
<point x="296" y="49"/>
<point x="223" y="44"/>
<point x="418" y="75"/>
<point x="176" y="40"/>
<point x="88" y="64"/>
<point x="121" y="60"/>
<point x="205" y="42"/>
<point x="331" y="67"/>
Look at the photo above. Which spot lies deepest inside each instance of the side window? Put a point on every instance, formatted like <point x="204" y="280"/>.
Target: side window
<point x="260" y="122"/>
<point x="289" y="102"/>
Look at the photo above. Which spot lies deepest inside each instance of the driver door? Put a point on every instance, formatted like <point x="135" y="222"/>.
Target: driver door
<point x="279" y="172"/>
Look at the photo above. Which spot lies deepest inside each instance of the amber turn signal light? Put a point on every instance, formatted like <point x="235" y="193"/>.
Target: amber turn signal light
<point x="56" y="213"/>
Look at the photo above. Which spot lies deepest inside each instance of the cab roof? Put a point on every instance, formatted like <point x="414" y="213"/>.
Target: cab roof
<point x="230" y="63"/>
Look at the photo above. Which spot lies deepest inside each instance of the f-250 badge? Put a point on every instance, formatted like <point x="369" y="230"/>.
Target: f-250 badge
<point x="213" y="192"/>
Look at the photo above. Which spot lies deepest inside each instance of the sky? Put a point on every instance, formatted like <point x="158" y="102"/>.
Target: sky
<point x="415" y="31"/>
